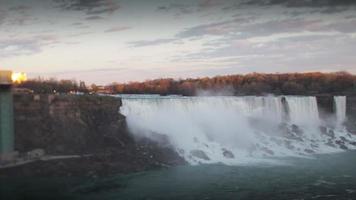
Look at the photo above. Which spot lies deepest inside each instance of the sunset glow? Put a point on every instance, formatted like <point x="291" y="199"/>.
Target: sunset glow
<point x="18" y="77"/>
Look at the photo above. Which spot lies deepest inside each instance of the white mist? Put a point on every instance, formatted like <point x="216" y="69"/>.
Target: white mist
<point x="235" y="130"/>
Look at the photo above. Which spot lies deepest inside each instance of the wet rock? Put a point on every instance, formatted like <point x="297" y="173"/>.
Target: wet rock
<point x="228" y="154"/>
<point x="252" y="148"/>
<point x="341" y="144"/>
<point x="283" y="128"/>
<point x="323" y="130"/>
<point x="160" y="138"/>
<point x="343" y="139"/>
<point x="309" y="151"/>
<point x="297" y="130"/>
<point x="199" y="154"/>
<point x="297" y="138"/>
<point x="268" y="151"/>
<point x="328" y="132"/>
<point x="330" y="143"/>
<point x="289" y="145"/>
<point x="181" y="151"/>
<point x="277" y="141"/>
<point x="35" y="154"/>
<point x="331" y="133"/>
<point x="294" y="133"/>
<point x="343" y="147"/>
<point x="9" y="157"/>
<point x="195" y="140"/>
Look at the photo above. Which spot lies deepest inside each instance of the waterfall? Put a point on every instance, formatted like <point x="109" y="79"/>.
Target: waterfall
<point x="232" y="130"/>
<point x="340" y="109"/>
<point x="263" y="106"/>
<point x="303" y="110"/>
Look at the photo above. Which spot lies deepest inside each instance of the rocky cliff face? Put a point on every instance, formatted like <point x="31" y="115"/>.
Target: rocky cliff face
<point x="351" y="114"/>
<point x="327" y="108"/>
<point x="89" y="126"/>
<point x="68" y="124"/>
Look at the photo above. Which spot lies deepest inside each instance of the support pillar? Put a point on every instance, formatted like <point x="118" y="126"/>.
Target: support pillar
<point x="7" y="137"/>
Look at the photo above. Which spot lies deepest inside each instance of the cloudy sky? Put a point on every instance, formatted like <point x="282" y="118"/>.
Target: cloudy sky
<point x="103" y="41"/>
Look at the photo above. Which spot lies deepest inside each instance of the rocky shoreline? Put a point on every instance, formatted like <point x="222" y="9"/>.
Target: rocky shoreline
<point x="84" y="135"/>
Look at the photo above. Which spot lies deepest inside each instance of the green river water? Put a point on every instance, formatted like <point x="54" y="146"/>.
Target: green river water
<point x="331" y="176"/>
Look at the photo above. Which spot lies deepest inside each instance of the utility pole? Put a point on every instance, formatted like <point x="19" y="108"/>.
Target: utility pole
<point x="7" y="137"/>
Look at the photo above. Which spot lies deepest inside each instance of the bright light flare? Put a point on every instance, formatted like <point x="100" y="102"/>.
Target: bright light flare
<point x="18" y="77"/>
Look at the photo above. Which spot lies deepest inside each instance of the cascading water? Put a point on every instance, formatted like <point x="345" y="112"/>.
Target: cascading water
<point x="340" y="109"/>
<point x="234" y="130"/>
<point x="303" y="110"/>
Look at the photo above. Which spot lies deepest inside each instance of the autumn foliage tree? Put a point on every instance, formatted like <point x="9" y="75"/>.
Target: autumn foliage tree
<point x="250" y="84"/>
<point x="53" y="86"/>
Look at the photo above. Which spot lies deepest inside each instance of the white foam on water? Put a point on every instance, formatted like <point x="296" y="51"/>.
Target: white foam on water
<point x="235" y="130"/>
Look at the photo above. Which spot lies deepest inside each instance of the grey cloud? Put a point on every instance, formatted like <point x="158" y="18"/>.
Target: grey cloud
<point x="253" y="24"/>
<point x="17" y="47"/>
<point x="143" y="43"/>
<point x="332" y="10"/>
<point x="235" y="30"/>
<point x="179" y="8"/>
<point x="94" y="17"/>
<point x="25" y="46"/>
<point x="89" y="71"/>
<point x="219" y="28"/>
<point x="299" y="53"/>
<point x="304" y="6"/>
<point x="309" y="38"/>
<point x="187" y="7"/>
<point x="77" y="24"/>
<point x="210" y="3"/>
<point x="21" y="20"/>
<point x="280" y="26"/>
<point x="117" y="29"/>
<point x="296" y="49"/>
<point x="80" y="34"/>
<point x="91" y="7"/>
<point x="2" y="17"/>
<point x="208" y="29"/>
<point x="346" y="26"/>
<point x="244" y="28"/>
<point x="321" y="6"/>
<point x="20" y="8"/>
<point x="16" y="15"/>
<point x="238" y="30"/>
<point x="301" y="3"/>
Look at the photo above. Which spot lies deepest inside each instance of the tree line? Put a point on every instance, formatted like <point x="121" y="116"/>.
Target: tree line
<point x="50" y="86"/>
<point x="315" y="83"/>
<point x="250" y="84"/>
